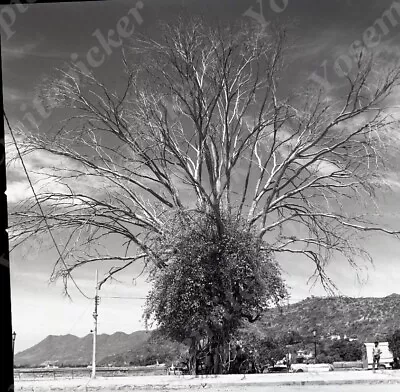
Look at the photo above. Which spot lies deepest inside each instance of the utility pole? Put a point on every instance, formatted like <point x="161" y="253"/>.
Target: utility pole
<point x="96" y="302"/>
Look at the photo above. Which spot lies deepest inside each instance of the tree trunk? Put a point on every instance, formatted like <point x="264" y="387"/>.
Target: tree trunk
<point x="217" y="362"/>
<point x="193" y="357"/>
<point x="220" y="358"/>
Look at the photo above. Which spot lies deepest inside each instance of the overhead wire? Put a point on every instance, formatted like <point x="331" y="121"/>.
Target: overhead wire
<point x="41" y="209"/>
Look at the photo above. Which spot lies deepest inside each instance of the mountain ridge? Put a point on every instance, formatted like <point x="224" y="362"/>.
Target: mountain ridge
<point x="368" y="318"/>
<point x="72" y="350"/>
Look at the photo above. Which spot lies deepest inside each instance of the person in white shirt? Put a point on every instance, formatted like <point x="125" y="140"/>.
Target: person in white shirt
<point x="376" y="355"/>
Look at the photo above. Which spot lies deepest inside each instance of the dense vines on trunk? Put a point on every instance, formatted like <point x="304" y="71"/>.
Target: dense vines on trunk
<point x="215" y="277"/>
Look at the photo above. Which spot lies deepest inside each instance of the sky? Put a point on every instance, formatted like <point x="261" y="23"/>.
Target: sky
<point x="38" y="39"/>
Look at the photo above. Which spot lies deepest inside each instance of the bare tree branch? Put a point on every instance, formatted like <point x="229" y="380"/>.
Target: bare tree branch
<point x="204" y="123"/>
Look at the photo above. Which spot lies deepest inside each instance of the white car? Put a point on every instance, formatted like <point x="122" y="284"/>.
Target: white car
<point x="181" y="369"/>
<point x="304" y="367"/>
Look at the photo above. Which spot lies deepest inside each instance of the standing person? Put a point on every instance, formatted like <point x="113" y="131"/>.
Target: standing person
<point x="289" y="360"/>
<point x="376" y="355"/>
<point x="251" y="363"/>
<point x="241" y="359"/>
<point x="235" y="365"/>
<point x="238" y="360"/>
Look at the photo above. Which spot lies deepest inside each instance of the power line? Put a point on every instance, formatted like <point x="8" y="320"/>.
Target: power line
<point x="40" y="207"/>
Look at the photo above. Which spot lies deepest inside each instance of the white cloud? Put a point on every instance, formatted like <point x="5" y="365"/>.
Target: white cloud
<point x="13" y="95"/>
<point x="42" y="167"/>
<point x="19" y="52"/>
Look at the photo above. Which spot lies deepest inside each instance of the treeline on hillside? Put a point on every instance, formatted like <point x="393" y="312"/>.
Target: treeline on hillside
<point x="368" y="319"/>
<point x="156" y="349"/>
<point x="266" y="350"/>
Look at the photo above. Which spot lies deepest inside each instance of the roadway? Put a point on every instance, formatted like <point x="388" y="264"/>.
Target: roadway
<point x="349" y="381"/>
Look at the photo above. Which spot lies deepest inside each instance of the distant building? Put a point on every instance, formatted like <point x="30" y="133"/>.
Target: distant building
<point x="304" y="354"/>
<point x="49" y="364"/>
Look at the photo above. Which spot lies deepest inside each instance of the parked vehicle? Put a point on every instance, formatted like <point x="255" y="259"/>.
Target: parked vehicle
<point x="310" y="367"/>
<point x="180" y="369"/>
<point x="277" y="369"/>
<point x="386" y="358"/>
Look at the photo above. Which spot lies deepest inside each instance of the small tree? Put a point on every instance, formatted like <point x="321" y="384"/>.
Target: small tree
<point x="265" y="350"/>
<point x="272" y="350"/>
<point x="217" y="276"/>
<point x="292" y="338"/>
<point x="394" y="343"/>
<point x="341" y="350"/>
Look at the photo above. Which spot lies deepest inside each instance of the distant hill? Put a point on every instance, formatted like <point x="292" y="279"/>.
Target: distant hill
<point x="71" y="350"/>
<point x="366" y="318"/>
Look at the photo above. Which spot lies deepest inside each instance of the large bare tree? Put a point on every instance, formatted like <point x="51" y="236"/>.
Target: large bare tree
<point x="205" y="121"/>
